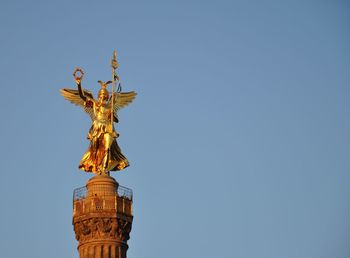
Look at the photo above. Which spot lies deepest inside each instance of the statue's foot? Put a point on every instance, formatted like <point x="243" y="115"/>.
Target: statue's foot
<point x="99" y="172"/>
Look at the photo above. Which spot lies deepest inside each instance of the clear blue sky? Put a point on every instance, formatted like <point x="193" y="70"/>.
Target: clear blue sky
<point x="239" y="138"/>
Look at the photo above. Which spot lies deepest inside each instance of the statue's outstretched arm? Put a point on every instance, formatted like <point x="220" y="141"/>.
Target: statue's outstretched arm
<point x="78" y="79"/>
<point x="80" y="97"/>
<point x="81" y="93"/>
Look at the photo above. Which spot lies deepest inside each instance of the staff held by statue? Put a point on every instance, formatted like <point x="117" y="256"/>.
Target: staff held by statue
<point x="115" y="65"/>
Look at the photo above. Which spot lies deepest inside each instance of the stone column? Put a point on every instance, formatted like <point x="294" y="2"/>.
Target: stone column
<point x="102" y="219"/>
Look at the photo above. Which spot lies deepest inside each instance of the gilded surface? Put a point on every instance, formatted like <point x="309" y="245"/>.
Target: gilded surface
<point x="103" y="154"/>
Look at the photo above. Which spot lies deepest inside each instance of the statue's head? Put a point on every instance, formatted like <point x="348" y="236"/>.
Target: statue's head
<point x="103" y="94"/>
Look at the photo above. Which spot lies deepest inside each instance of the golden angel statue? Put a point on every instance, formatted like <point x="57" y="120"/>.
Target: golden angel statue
<point x="103" y="154"/>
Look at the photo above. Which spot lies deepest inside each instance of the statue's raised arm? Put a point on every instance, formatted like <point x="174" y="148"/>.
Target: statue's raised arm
<point x="80" y="97"/>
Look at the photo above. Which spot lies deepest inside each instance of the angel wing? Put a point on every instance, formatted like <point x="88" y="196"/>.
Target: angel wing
<point x="122" y="99"/>
<point x="74" y="97"/>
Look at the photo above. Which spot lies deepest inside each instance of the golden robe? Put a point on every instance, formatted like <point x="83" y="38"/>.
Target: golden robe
<point x="104" y="153"/>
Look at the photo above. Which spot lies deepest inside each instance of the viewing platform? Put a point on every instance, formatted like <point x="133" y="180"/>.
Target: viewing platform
<point x="102" y="198"/>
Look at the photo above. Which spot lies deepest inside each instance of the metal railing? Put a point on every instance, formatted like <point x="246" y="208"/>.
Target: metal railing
<point x="122" y="191"/>
<point x="79" y="193"/>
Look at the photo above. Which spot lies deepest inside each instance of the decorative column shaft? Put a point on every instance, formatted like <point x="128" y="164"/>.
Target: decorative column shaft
<point x="102" y="218"/>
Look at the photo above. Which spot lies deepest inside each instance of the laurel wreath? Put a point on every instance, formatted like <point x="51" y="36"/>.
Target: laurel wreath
<point x="76" y="76"/>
